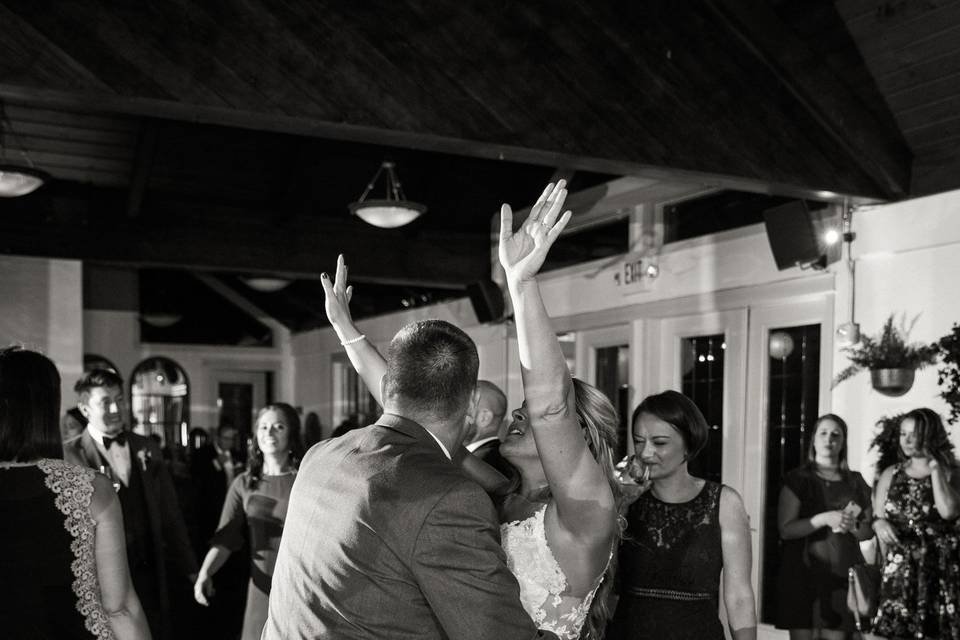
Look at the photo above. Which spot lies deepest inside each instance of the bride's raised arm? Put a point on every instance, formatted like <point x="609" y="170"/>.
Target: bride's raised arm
<point x="364" y="357"/>
<point x="585" y="502"/>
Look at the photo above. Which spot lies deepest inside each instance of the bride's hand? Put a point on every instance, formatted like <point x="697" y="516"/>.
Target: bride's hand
<point x="522" y="253"/>
<point x="338" y="295"/>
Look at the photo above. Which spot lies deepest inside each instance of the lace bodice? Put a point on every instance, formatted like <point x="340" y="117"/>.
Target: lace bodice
<point x="542" y="581"/>
<point x="73" y="487"/>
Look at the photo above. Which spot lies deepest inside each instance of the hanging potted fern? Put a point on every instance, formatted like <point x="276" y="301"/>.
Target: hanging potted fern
<point x="891" y="360"/>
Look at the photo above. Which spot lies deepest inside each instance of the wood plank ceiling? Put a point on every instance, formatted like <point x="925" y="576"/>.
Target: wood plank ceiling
<point x="229" y="136"/>
<point x="913" y="52"/>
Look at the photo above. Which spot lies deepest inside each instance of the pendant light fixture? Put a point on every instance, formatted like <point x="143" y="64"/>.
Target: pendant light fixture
<point x="16" y="179"/>
<point x="392" y="211"/>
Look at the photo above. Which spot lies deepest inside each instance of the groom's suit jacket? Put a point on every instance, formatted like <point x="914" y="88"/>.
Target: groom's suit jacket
<point x="151" y="500"/>
<point x="386" y="538"/>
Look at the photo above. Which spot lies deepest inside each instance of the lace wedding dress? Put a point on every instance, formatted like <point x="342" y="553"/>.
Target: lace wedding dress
<point x="542" y="581"/>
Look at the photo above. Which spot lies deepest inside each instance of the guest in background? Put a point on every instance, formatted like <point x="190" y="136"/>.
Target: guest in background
<point x="312" y="430"/>
<point x="227" y="444"/>
<point x="486" y="419"/>
<point x="489" y="428"/>
<point x="683" y="536"/>
<point x="255" y="510"/>
<point x="63" y="574"/>
<point x="824" y="511"/>
<point x="917" y="502"/>
<point x="156" y="534"/>
<point x="72" y="424"/>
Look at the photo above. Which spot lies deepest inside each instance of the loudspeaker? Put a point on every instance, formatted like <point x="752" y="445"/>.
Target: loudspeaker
<point x="487" y="300"/>
<point x="793" y="240"/>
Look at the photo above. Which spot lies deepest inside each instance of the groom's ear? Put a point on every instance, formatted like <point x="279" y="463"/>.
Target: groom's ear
<point x="383" y="387"/>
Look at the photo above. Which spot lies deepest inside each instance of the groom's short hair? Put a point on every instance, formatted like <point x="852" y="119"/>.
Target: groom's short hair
<point x="432" y="365"/>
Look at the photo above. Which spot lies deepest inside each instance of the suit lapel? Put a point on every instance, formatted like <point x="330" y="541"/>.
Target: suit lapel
<point x="90" y="452"/>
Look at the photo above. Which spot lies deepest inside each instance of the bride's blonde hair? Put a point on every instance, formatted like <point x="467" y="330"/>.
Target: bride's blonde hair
<point x="598" y="419"/>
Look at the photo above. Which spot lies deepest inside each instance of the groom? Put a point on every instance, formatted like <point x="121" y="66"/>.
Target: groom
<point x="384" y="537"/>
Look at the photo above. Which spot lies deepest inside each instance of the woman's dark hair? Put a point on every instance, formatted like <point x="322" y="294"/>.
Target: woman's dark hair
<point x="811" y="451"/>
<point x="682" y="414"/>
<point x="29" y="406"/>
<point x="294" y="443"/>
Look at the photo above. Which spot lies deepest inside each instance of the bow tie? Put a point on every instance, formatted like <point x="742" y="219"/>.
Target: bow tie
<point x="120" y="439"/>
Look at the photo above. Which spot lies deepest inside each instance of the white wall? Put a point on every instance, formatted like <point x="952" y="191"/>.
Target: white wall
<point x="41" y="308"/>
<point x="313" y="350"/>
<point x="908" y="260"/>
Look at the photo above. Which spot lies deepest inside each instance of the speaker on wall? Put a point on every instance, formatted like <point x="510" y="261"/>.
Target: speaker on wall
<point x="790" y="231"/>
<point x="487" y="300"/>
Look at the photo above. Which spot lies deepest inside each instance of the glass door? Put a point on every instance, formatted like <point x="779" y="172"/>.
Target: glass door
<point x="704" y="357"/>
<point x="789" y="367"/>
<point x="602" y="358"/>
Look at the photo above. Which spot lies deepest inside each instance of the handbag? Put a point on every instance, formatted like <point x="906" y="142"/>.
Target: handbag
<point x="863" y="592"/>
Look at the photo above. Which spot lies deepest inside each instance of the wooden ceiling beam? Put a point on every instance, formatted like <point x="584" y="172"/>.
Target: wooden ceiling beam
<point x="425" y="141"/>
<point x="300" y="249"/>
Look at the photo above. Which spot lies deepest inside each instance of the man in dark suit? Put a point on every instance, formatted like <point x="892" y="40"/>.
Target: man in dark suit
<point x="155" y="531"/>
<point x="488" y="427"/>
<point x="384" y="536"/>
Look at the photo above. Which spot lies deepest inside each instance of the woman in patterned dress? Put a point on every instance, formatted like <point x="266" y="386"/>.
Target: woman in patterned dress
<point x="63" y="572"/>
<point x="917" y="501"/>
<point x="684" y="535"/>
<point x="560" y="522"/>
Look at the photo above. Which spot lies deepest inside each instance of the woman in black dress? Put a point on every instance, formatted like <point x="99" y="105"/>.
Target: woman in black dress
<point x="63" y="571"/>
<point x="684" y="534"/>
<point x="823" y="513"/>
<point x="254" y="512"/>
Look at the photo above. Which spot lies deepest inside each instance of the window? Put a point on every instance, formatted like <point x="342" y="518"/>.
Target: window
<point x="93" y="361"/>
<point x="702" y="359"/>
<point x="160" y="400"/>
<point x="353" y="405"/>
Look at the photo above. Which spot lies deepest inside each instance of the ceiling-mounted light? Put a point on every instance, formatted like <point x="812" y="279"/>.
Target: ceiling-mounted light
<point x="267" y="285"/>
<point x="161" y="320"/>
<point x="16" y="179"/>
<point x="393" y="210"/>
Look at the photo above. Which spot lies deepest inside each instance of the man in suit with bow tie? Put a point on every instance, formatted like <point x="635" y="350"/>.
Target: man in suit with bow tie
<point x="152" y="519"/>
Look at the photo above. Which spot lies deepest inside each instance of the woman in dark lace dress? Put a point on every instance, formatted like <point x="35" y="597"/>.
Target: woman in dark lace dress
<point x="63" y="570"/>
<point x="683" y="536"/>
<point x="823" y="512"/>
<point x="918" y="502"/>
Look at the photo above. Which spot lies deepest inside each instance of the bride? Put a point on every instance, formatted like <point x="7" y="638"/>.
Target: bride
<point x="560" y="526"/>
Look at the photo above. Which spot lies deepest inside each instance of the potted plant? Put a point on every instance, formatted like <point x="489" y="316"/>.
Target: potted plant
<point x="891" y="360"/>
<point x="948" y="377"/>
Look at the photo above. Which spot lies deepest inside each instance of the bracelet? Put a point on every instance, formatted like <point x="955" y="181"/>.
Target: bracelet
<point x="353" y="340"/>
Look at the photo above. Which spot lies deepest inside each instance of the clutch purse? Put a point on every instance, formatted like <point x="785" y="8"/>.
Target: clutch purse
<point x="863" y="592"/>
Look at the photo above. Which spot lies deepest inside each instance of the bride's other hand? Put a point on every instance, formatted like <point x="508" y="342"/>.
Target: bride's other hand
<point x="523" y="252"/>
<point x="338" y="295"/>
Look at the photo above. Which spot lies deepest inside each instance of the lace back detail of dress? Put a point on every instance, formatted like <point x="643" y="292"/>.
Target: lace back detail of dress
<point x="542" y="581"/>
<point x="73" y="487"/>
